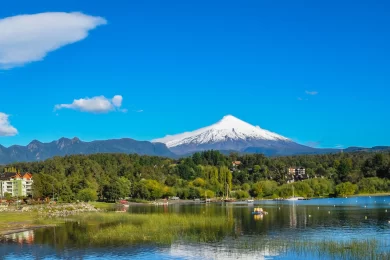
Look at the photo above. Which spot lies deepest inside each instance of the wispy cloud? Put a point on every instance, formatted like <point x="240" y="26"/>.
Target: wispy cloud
<point x="29" y="38"/>
<point x="339" y="146"/>
<point x="311" y="93"/>
<point x="99" y="104"/>
<point x="6" y="129"/>
<point x="307" y="92"/>
<point x="313" y="144"/>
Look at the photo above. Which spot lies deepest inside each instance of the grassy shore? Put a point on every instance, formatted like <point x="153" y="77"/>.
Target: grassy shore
<point x="13" y="222"/>
<point x="154" y="228"/>
<point x="371" y="194"/>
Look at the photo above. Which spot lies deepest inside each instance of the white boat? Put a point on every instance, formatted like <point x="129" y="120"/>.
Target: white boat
<point x="292" y="198"/>
<point x="250" y="201"/>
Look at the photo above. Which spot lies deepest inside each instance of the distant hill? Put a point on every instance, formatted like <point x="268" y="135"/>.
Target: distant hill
<point x="36" y="151"/>
<point x="363" y="149"/>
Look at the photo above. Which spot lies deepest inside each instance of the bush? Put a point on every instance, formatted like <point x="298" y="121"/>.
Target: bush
<point x="87" y="195"/>
<point x="240" y="194"/>
<point x="373" y="185"/>
<point x="346" y="188"/>
<point x="263" y="189"/>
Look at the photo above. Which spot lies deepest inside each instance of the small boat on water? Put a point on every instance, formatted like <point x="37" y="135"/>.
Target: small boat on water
<point x="259" y="211"/>
<point x="227" y="195"/>
<point x="250" y="201"/>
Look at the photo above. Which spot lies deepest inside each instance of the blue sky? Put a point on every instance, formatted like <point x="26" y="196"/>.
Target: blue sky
<point x="313" y="71"/>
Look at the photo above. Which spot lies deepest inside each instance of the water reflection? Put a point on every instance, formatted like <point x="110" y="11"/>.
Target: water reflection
<point x="186" y="251"/>
<point x="341" y="219"/>
<point x="258" y="217"/>
<point x="21" y="238"/>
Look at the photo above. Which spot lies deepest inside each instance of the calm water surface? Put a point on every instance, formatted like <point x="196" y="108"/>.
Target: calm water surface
<point x="341" y="219"/>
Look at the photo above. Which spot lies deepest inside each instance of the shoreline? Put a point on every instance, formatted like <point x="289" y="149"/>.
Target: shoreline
<point x="26" y="219"/>
<point x="23" y="229"/>
<point x="184" y="202"/>
<point x="371" y="195"/>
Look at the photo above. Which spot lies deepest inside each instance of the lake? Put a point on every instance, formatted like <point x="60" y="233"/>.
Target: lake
<point x="251" y="236"/>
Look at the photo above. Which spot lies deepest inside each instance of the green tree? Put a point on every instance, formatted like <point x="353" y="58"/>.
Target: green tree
<point x="124" y="187"/>
<point x="7" y="196"/>
<point x="87" y="195"/>
<point x="199" y="182"/>
<point x="112" y="191"/>
<point x="344" y="168"/>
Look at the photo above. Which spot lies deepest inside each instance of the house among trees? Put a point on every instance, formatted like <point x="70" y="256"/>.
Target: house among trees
<point x="236" y="163"/>
<point x="16" y="184"/>
<point x="296" y="174"/>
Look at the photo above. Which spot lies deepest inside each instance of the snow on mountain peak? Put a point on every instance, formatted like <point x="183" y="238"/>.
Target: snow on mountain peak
<point x="228" y="128"/>
<point x="232" y="122"/>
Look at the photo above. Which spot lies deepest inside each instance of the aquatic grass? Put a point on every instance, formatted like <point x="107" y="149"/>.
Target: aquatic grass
<point x="117" y="229"/>
<point x="324" y="249"/>
<point x="352" y="249"/>
<point x="155" y="228"/>
<point x="109" y="228"/>
<point x="103" y="205"/>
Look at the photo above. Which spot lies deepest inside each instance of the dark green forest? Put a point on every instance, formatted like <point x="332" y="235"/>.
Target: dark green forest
<point x="210" y="174"/>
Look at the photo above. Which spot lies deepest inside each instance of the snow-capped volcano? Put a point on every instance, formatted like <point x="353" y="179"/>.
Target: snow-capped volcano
<point x="229" y="127"/>
<point x="230" y="133"/>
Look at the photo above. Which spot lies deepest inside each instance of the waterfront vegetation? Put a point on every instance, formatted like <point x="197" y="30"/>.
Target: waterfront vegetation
<point x="11" y="222"/>
<point x="118" y="229"/>
<point x="103" y="205"/>
<point x="15" y="220"/>
<point x="113" y="229"/>
<point x="121" y="229"/>
<point x="109" y="177"/>
<point x="100" y="229"/>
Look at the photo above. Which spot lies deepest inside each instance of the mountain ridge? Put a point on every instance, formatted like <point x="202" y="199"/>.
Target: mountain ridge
<point x="36" y="150"/>
<point x="230" y="134"/>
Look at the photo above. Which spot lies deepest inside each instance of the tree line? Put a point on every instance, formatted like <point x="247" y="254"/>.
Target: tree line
<point x="208" y="174"/>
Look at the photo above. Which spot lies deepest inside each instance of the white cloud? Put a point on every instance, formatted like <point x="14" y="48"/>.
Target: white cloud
<point x="6" y="129"/>
<point x="28" y="38"/>
<point x="99" y="104"/>
<point x="117" y="100"/>
<point x="311" y="93"/>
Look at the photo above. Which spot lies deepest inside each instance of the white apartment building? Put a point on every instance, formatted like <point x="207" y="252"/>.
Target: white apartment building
<point x="16" y="184"/>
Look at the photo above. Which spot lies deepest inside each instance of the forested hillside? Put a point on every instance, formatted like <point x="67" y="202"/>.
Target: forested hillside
<point x="210" y="173"/>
